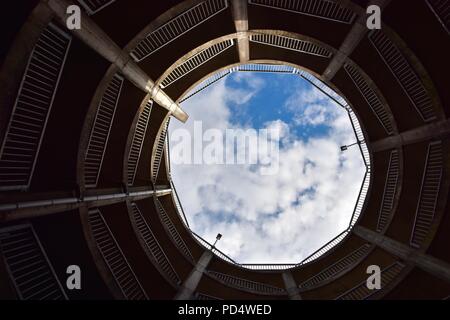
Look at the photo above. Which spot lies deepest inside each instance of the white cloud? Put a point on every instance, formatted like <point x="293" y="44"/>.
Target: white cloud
<point x="272" y="219"/>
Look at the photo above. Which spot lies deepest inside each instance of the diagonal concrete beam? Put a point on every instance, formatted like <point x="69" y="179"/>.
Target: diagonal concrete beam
<point x="423" y="261"/>
<point x="291" y="286"/>
<point x="190" y="284"/>
<point x="32" y="209"/>
<point x="354" y="37"/>
<point x="240" y="16"/>
<point x="93" y="36"/>
<point x="439" y="130"/>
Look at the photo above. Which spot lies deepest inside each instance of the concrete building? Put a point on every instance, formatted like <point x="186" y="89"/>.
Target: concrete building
<point x="84" y="174"/>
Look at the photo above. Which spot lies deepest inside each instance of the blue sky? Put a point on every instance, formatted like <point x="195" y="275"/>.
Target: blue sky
<point x="285" y="217"/>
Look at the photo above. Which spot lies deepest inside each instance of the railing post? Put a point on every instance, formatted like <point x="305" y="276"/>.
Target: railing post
<point x="190" y="284"/>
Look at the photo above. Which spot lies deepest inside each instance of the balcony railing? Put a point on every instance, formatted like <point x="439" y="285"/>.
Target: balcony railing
<point x="362" y="292"/>
<point x="28" y="121"/>
<point x="289" y="43"/>
<point x="404" y="73"/>
<point x="196" y="61"/>
<point x="324" y="9"/>
<point x="337" y="268"/>
<point x="94" y="6"/>
<point x="153" y="247"/>
<point x="252" y="286"/>
<point x="173" y="232"/>
<point x="28" y="266"/>
<point x="371" y="98"/>
<point x="138" y="142"/>
<point x="158" y="150"/>
<point x="101" y="130"/>
<point x="429" y="193"/>
<point x="205" y="84"/>
<point x="441" y="8"/>
<point x="114" y="258"/>
<point x="177" y="27"/>
<point x="390" y="188"/>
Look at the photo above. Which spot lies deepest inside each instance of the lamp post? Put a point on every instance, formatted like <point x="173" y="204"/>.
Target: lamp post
<point x="344" y="148"/>
<point x="218" y="237"/>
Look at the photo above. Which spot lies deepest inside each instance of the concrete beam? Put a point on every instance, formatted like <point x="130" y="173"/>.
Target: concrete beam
<point x="423" y="261"/>
<point x="291" y="286"/>
<point x="189" y="286"/>
<point x="354" y="37"/>
<point x="438" y="130"/>
<point x="240" y="16"/>
<point x="93" y="36"/>
<point x="31" y="209"/>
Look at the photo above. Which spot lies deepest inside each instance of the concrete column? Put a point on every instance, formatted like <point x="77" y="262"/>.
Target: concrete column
<point x="354" y="37"/>
<point x="190" y="284"/>
<point x="240" y="16"/>
<point x="439" y="130"/>
<point x="32" y="209"/>
<point x="93" y="36"/>
<point x="291" y="286"/>
<point x="423" y="261"/>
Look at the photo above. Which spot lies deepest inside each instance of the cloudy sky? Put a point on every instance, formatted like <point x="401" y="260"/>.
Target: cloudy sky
<point x="280" y="218"/>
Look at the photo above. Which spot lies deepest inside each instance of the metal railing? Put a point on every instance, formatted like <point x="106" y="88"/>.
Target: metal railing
<point x="362" y="292"/>
<point x="245" y="284"/>
<point x="270" y="68"/>
<point x="138" y="142"/>
<point x="196" y="61"/>
<point x="429" y="193"/>
<point x="101" y="130"/>
<point x="173" y="232"/>
<point x="153" y="247"/>
<point x="390" y="188"/>
<point x="20" y="148"/>
<point x="205" y="297"/>
<point x="441" y="9"/>
<point x="177" y="27"/>
<point x="404" y="73"/>
<point x="205" y="84"/>
<point x="329" y="10"/>
<point x="293" y="44"/>
<point x="158" y="150"/>
<point x="371" y="98"/>
<point x="178" y="205"/>
<point x="114" y="258"/>
<point x="28" y="266"/>
<point x="337" y="268"/>
<point x="94" y="6"/>
<point x="360" y="136"/>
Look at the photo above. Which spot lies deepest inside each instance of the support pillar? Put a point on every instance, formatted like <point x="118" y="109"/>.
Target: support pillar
<point x="291" y="286"/>
<point x="439" y="130"/>
<point x="354" y="37"/>
<point x="189" y="286"/>
<point x="240" y="16"/>
<point x="436" y="267"/>
<point x="93" y="36"/>
<point x="32" y="209"/>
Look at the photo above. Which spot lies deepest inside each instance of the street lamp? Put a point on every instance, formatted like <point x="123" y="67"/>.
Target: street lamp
<point x="343" y="148"/>
<point x="218" y="237"/>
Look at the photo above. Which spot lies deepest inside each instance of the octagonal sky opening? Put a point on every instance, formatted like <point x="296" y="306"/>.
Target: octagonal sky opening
<point x="307" y="198"/>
